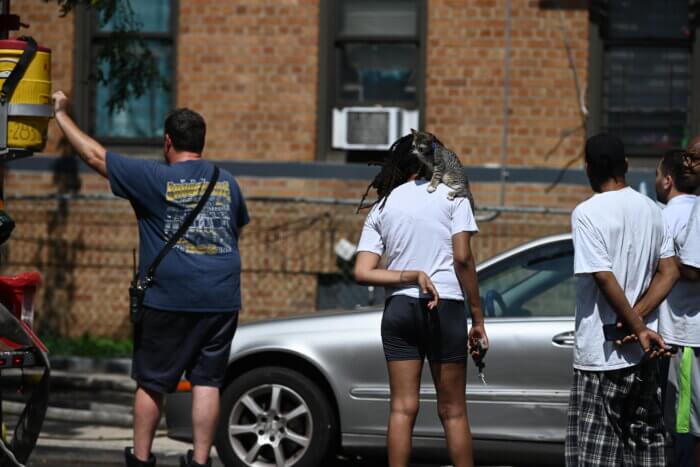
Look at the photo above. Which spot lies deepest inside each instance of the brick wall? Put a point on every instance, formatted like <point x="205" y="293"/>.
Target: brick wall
<point x="465" y="80"/>
<point x="84" y="248"/>
<point x="251" y="68"/>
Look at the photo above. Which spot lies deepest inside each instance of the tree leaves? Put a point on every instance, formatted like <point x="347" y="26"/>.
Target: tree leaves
<point x="124" y="62"/>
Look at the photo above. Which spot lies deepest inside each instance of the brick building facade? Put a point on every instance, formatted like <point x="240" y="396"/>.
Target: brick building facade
<point x="260" y="72"/>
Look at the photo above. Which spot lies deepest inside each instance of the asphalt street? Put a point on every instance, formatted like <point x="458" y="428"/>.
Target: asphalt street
<point x="90" y="424"/>
<point x="64" y="444"/>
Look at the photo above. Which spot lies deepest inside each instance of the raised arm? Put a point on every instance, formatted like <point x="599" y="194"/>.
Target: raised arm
<point x="89" y="150"/>
<point x="663" y="281"/>
<point x="367" y="271"/>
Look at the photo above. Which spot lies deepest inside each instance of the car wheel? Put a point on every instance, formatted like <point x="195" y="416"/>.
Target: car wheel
<point x="275" y="417"/>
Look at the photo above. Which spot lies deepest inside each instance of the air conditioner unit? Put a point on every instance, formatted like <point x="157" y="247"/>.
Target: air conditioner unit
<point x="374" y="128"/>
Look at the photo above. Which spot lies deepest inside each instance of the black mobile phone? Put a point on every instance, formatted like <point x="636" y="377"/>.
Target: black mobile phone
<point x="613" y="333"/>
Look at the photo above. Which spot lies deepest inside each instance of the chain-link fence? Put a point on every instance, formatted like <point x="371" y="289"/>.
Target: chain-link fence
<point x="297" y="254"/>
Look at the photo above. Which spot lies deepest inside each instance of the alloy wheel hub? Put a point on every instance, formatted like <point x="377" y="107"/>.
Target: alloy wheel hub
<point x="270" y="426"/>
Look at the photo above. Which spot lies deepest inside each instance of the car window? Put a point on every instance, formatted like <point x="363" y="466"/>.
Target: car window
<point x="538" y="282"/>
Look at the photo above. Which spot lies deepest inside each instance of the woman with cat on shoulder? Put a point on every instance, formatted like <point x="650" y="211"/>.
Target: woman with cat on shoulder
<point x="429" y="270"/>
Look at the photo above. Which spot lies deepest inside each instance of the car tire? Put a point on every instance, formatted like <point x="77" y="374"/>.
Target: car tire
<point x="299" y="429"/>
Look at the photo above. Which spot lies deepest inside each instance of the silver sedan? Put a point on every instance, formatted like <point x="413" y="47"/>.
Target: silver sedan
<point x="303" y="389"/>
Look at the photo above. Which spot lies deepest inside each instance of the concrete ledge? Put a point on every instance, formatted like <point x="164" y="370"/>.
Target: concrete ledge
<point x="97" y="417"/>
<point x="54" y="455"/>
<point x="92" y="381"/>
<point x="92" y="365"/>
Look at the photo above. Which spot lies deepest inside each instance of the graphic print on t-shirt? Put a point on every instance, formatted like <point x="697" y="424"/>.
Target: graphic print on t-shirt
<point x="210" y="233"/>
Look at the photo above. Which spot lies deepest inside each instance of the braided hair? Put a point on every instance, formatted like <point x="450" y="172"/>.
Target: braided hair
<point x="396" y="168"/>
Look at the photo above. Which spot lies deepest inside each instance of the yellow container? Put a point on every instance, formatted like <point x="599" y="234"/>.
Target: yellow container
<point x="30" y="107"/>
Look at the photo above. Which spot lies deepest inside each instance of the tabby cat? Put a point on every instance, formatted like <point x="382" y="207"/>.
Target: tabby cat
<point x="443" y="164"/>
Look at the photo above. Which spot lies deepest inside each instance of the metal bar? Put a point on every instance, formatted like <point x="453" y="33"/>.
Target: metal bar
<point x="506" y="104"/>
<point x="340" y="40"/>
<point x="11" y="154"/>
<point x="286" y="199"/>
<point x="148" y="36"/>
<point x="653" y="42"/>
<point x="30" y="110"/>
<point x="4" y="35"/>
<point x="3" y="123"/>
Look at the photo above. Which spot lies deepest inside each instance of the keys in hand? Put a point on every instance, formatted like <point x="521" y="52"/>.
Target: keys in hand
<point x="482" y="346"/>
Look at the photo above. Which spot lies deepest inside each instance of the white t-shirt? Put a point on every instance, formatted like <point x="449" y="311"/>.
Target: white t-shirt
<point x="679" y="314"/>
<point x="622" y="232"/>
<point x="690" y="253"/>
<point x="414" y="232"/>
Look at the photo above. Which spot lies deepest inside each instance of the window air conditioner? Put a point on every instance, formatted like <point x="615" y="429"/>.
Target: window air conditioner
<point x="373" y="128"/>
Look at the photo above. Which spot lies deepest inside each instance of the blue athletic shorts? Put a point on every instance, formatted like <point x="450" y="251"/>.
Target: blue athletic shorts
<point x="410" y="331"/>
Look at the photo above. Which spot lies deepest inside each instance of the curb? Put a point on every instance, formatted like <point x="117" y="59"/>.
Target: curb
<point x="98" y="417"/>
<point x="120" y="366"/>
<point x="91" y="456"/>
<point x="92" y="382"/>
<point x="100" y="414"/>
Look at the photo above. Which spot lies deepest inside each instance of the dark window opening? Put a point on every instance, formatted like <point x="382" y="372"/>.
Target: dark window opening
<point x="646" y="77"/>
<point x="373" y="59"/>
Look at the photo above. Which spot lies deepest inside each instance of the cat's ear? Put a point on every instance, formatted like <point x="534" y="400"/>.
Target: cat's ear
<point x="413" y="132"/>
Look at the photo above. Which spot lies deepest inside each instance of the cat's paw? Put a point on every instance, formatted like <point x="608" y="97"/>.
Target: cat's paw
<point x="451" y="195"/>
<point x="431" y="188"/>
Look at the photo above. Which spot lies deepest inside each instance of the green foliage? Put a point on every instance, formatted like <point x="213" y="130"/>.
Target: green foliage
<point x="88" y="346"/>
<point x="104" y="6"/>
<point x="124" y="64"/>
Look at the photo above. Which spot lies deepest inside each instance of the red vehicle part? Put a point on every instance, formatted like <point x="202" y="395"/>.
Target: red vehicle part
<point x="21" y="348"/>
<point x="17" y="294"/>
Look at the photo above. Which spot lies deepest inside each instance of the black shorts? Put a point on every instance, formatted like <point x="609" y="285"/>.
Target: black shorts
<point x="168" y="343"/>
<point x="410" y="331"/>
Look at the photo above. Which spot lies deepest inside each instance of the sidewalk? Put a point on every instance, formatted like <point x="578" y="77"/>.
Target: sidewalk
<point x="63" y="443"/>
<point x="89" y="418"/>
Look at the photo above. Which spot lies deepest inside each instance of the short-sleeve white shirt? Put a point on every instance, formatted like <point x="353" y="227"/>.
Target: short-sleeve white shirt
<point x="622" y="232"/>
<point x="690" y="253"/>
<point x="413" y="231"/>
<point x="679" y="314"/>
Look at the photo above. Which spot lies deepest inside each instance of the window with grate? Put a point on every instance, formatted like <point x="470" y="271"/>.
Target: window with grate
<point x="376" y="48"/>
<point x="646" y="73"/>
<point x="140" y="121"/>
<point x="371" y="56"/>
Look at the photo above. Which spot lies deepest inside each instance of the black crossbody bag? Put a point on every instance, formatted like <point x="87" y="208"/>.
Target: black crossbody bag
<point x="138" y="288"/>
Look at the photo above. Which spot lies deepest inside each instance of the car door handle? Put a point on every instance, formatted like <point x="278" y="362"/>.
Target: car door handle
<point x="565" y="339"/>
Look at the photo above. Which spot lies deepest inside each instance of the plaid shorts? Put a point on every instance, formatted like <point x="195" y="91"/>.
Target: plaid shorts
<point x="615" y="419"/>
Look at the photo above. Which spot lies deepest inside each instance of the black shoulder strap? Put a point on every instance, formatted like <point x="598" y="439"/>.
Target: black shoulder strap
<point x="151" y="271"/>
<point x="8" y="87"/>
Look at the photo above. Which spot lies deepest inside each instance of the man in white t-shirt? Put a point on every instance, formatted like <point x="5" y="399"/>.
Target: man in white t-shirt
<point x="683" y="397"/>
<point x="679" y="314"/>
<point x="620" y="245"/>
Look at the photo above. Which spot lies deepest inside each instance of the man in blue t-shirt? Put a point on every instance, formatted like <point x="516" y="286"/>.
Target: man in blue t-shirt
<point x="191" y="308"/>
